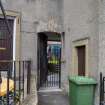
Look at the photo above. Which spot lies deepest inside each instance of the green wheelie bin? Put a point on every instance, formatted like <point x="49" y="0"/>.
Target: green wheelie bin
<point x="81" y="90"/>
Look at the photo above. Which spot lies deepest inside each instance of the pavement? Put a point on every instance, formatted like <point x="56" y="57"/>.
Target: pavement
<point x="52" y="98"/>
<point x="30" y="100"/>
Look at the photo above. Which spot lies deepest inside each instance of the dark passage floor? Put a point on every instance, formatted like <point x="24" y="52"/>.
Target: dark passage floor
<point x="53" y="98"/>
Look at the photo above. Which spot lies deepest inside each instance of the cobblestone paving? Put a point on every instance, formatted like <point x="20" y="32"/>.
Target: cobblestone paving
<point x="53" y="98"/>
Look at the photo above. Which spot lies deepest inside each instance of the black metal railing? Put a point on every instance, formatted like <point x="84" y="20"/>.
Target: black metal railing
<point x="53" y="74"/>
<point x="14" y="81"/>
<point x="102" y="89"/>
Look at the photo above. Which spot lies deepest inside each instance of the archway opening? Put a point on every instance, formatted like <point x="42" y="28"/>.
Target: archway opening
<point x="49" y="60"/>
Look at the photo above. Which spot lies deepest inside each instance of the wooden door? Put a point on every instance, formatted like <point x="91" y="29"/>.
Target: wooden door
<point x="81" y="60"/>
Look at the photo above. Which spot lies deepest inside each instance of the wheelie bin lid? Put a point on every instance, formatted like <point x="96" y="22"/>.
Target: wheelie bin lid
<point x="82" y="80"/>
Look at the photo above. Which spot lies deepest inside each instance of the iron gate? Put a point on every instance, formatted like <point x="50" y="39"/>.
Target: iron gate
<point x="49" y="63"/>
<point x="54" y="66"/>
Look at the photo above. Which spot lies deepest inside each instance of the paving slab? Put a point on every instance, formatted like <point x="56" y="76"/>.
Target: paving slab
<point x="52" y="98"/>
<point x="31" y="100"/>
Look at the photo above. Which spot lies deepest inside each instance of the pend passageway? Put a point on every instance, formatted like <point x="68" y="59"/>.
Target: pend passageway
<point x="53" y="98"/>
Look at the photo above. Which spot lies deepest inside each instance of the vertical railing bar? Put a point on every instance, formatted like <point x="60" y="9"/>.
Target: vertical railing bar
<point x="28" y="77"/>
<point x="46" y="79"/>
<point x="45" y="82"/>
<point x="103" y="88"/>
<point x="53" y="73"/>
<point x="57" y="77"/>
<point x="60" y="71"/>
<point x="56" y="74"/>
<point x="23" y="79"/>
<point x="55" y="68"/>
<point x="57" y="63"/>
<point x="14" y="63"/>
<point x="8" y="74"/>
<point x="100" y="88"/>
<point x="104" y="84"/>
<point x="0" y="100"/>
<point x="49" y="83"/>
<point x="54" y="79"/>
<point x="19" y="81"/>
<point x="50" y="78"/>
<point x="47" y="76"/>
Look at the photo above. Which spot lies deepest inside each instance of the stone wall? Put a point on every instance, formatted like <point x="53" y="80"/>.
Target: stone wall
<point x="81" y="21"/>
<point x="102" y="36"/>
<point x="35" y="17"/>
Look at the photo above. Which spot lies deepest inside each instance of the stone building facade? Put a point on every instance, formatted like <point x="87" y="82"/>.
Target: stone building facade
<point x="84" y="25"/>
<point x="35" y="16"/>
<point x="82" y="21"/>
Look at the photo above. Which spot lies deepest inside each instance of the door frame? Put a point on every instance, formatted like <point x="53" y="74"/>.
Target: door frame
<point x="38" y="70"/>
<point x="79" y="43"/>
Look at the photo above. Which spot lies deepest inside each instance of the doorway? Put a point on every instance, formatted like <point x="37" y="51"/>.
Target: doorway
<point x="49" y="60"/>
